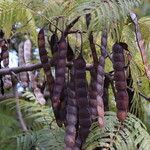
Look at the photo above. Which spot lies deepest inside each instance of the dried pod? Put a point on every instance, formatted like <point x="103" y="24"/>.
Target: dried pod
<point x="60" y="72"/>
<point x="55" y="89"/>
<point x="27" y="56"/>
<point x="106" y="93"/>
<point x="81" y="96"/>
<point x="27" y="46"/>
<point x="93" y="94"/>
<point x="63" y="105"/>
<point x="44" y="60"/>
<point x="70" y="53"/>
<point x="100" y="79"/>
<point x="88" y="20"/>
<point x="3" y="49"/>
<point x="122" y="98"/>
<point x="71" y="118"/>
<point x="23" y="75"/>
<point x="39" y="96"/>
<point x="7" y="82"/>
<point x="5" y="55"/>
<point x="141" y="44"/>
<point x="5" y="58"/>
<point x="53" y="40"/>
<point x="2" y="34"/>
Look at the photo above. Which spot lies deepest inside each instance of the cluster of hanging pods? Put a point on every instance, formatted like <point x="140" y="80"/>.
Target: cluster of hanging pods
<point x="76" y="103"/>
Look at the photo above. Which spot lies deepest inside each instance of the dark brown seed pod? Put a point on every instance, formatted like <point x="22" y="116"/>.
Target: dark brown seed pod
<point x="4" y="52"/>
<point x="78" y="144"/>
<point x="93" y="95"/>
<point x="119" y="76"/>
<point x="63" y="104"/>
<point x="100" y="79"/>
<point x="106" y="93"/>
<point x="60" y="72"/>
<point x="44" y="60"/>
<point x="118" y="66"/>
<point x="88" y="20"/>
<point x="91" y="41"/>
<point x="71" y="117"/>
<point x="54" y="88"/>
<point x="5" y="55"/>
<point x="53" y="40"/>
<point x="81" y="96"/>
<point x="121" y="85"/>
<point x="5" y="58"/>
<point x="122" y="98"/>
<point x="70" y="53"/>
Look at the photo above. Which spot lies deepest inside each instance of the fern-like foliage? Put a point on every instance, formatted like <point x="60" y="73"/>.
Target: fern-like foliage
<point x="15" y="18"/>
<point x="43" y="133"/>
<point x="131" y="135"/>
<point x="105" y="13"/>
<point x="43" y="139"/>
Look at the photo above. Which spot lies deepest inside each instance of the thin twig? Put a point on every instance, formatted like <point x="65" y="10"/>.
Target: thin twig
<point x="141" y="94"/>
<point x="70" y="25"/>
<point x="18" y="110"/>
<point x="108" y="55"/>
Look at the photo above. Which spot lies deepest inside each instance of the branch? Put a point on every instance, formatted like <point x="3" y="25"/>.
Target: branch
<point x="70" y="26"/>
<point x="17" y="70"/>
<point x="32" y="67"/>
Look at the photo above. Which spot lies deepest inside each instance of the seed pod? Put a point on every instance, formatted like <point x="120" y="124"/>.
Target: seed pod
<point x="100" y="79"/>
<point x="106" y="93"/>
<point x="91" y="41"/>
<point x="27" y="57"/>
<point x="93" y="95"/>
<point x="71" y="117"/>
<point x="54" y="88"/>
<point x="5" y="55"/>
<point x="70" y="53"/>
<point x="88" y="20"/>
<point x="5" y="58"/>
<point x="81" y="96"/>
<point x="63" y="104"/>
<point x="60" y="72"/>
<point x="141" y="44"/>
<point x="122" y="98"/>
<point x="27" y="46"/>
<point x="2" y="43"/>
<point x="53" y="42"/>
<point x="78" y="144"/>
<point x="7" y="82"/>
<point x="1" y="34"/>
<point x="44" y="60"/>
<point x="23" y="75"/>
